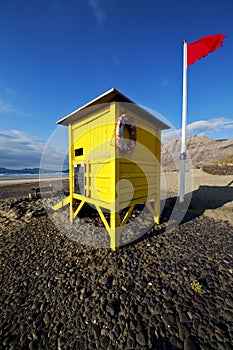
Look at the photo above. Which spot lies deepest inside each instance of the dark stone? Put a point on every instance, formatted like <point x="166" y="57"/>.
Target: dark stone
<point x="60" y="343"/>
<point x="229" y="302"/>
<point x="141" y="339"/>
<point x="167" y="305"/>
<point x="158" y="308"/>
<point x="153" y="320"/>
<point x="190" y="344"/>
<point x="221" y="346"/>
<point x="129" y="343"/>
<point x="139" y="327"/>
<point x="196" y="323"/>
<point x="219" y="336"/>
<point x="168" y="319"/>
<point x="201" y="332"/>
<point x="172" y="329"/>
<point x="176" y="343"/>
<point x="183" y="331"/>
<point x="105" y="281"/>
<point x="46" y="318"/>
<point x="222" y="327"/>
<point x="111" y="309"/>
<point x="112" y="336"/>
<point x="227" y="315"/>
<point x="33" y="345"/>
<point x="183" y="318"/>
<point x="228" y="345"/>
<point x="95" y="330"/>
<point x="116" y="330"/>
<point x="104" y="341"/>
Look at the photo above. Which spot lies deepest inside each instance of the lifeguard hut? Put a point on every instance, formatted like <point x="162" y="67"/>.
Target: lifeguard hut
<point x="114" y="160"/>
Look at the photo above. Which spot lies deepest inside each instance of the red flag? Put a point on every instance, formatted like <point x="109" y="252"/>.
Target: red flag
<point x="200" y="48"/>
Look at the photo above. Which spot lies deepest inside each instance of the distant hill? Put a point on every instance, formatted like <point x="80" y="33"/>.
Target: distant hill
<point x="201" y="149"/>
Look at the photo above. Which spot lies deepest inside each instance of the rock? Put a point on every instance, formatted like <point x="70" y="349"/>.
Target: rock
<point x="158" y="308"/>
<point x="227" y="315"/>
<point x="229" y="302"/>
<point x="111" y="309"/>
<point x="60" y="294"/>
<point x="190" y="344"/>
<point x="183" y="331"/>
<point x="221" y="327"/>
<point x="33" y="345"/>
<point x="183" y="318"/>
<point x="60" y="343"/>
<point x="105" y="281"/>
<point x="47" y="318"/>
<point x="167" y="305"/>
<point x="116" y="330"/>
<point x="141" y="339"/>
<point x="168" y="319"/>
<point x="176" y="343"/>
<point x="95" y="330"/>
<point x="104" y="342"/>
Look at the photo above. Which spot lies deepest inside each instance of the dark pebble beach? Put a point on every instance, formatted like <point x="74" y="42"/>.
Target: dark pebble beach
<point x="59" y="294"/>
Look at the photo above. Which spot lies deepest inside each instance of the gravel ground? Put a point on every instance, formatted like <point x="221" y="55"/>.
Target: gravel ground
<point x="58" y="294"/>
<point x="218" y="169"/>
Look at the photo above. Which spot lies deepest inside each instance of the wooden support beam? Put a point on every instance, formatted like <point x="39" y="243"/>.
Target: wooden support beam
<point x="78" y="209"/>
<point x="62" y="203"/>
<point x="127" y="215"/>
<point x="153" y="211"/>
<point x="103" y="217"/>
<point x="115" y="230"/>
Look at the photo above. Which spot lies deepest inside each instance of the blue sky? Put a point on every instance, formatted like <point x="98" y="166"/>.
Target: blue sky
<point x="57" y="55"/>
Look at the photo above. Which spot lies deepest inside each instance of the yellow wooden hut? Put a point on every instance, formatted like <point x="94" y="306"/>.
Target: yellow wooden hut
<point x="114" y="160"/>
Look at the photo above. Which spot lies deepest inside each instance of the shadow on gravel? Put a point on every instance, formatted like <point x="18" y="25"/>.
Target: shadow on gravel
<point x="208" y="197"/>
<point x="202" y="199"/>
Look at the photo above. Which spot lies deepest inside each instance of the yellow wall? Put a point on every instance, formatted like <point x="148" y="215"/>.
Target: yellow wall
<point x="137" y="174"/>
<point x="142" y="167"/>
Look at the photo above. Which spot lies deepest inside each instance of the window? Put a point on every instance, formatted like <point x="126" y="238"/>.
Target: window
<point x="78" y="152"/>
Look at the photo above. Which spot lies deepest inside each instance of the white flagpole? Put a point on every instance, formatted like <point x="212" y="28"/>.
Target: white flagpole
<point x="184" y="121"/>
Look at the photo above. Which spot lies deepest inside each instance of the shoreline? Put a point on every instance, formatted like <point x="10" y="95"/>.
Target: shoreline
<point x="22" y="179"/>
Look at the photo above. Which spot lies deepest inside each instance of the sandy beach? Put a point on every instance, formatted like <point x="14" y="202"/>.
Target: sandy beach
<point x="24" y="179"/>
<point x="168" y="289"/>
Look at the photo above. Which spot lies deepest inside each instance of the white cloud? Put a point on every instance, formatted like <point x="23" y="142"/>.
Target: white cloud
<point x="98" y="10"/>
<point x="201" y="128"/>
<point x="7" y="107"/>
<point x="171" y="134"/>
<point x="20" y="150"/>
<point x="212" y="125"/>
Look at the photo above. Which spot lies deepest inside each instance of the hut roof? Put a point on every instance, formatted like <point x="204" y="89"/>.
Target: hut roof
<point x="112" y="95"/>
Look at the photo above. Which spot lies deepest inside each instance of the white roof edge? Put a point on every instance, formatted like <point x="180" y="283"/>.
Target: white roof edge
<point x="112" y="90"/>
<point x="92" y="101"/>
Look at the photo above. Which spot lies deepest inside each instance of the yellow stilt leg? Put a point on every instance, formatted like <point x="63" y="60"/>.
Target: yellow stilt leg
<point x="157" y="211"/>
<point x="154" y="211"/>
<point x="115" y="230"/>
<point x="127" y="215"/>
<point x="157" y="219"/>
<point x="62" y="203"/>
<point x="102" y="217"/>
<point x="78" y="209"/>
<point x="71" y="210"/>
